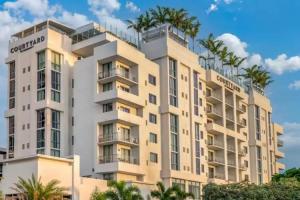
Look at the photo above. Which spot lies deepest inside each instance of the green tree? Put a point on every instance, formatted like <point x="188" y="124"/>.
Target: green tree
<point x="163" y="193"/>
<point x="180" y="194"/>
<point x="223" y="56"/>
<point x="207" y="43"/>
<point x="193" y="31"/>
<point x="97" y="195"/>
<point x="160" y="15"/>
<point x="121" y="191"/>
<point x="177" y="17"/>
<point x="33" y="189"/>
<point x="290" y="173"/>
<point x="137" y="25"/>
<point x="232" y="60"/>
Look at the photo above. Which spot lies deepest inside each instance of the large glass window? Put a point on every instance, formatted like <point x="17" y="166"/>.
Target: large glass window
<point x="12" y="84"/>
<point x="194" y="188"/>
<point x="11" y="136"/>
<point x="173" y="82"/>
<point x="41" y="76"/>
<point x="55" y="133"/>
<point x="197" y="147"/>
<point x="40" y="143"/>
<point x="174" y="127"/>
<point x="55" y="76"/>
<point x="196" y="95"/>
<point x="257" y="122"/>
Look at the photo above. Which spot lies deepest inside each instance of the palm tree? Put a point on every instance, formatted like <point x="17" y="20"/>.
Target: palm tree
<point x="252" y="74"/>
<point x="137" y="25"/>
<point x="182" y="195"/>
<point x="232" y="61"/>
<point x="33" y="189"/>
<point x="97" y="195"/>
<point x="193" y="32"/>
<point x="147" y="21"/>
<point x="160" y="15"/>
<point x="223" y="56"/>
<point x="177" y="17"/>
<point x="263" y="79"/>
<point x="214" y="48"/>
<point x="162" y="193"/>
<point x="238" y="64"/>
<point x="120" y="191"/>
<point x="206" y="43"/>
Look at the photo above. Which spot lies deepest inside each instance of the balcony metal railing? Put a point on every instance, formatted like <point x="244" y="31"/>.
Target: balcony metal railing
<point x="231" y="162"/>
<point x="215" y="143"/>
<point x="242" y="122"/>
<point x="116" y="72"/>
<point x="216" y="160"/>
<point x="213" y="110"/>
<point x="214" y="95"/>
<point x="231" y="148"/>
<point x="280" y="142"/>
<point x="118" y="158"/>
<point x="118" y="136"/>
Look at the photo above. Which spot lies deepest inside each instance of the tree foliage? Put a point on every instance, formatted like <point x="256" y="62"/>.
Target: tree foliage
<point x="33" y="189"/>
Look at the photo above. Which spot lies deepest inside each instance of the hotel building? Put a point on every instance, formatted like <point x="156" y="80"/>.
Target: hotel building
<point x="86" y="105"/>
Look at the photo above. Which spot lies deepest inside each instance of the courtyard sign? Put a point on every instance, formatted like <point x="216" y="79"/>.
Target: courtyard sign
<point x="27" y="45"/>
<point x="228" y="84"/>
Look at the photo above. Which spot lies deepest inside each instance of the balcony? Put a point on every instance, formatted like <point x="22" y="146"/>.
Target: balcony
<point x="216" y="161"/>
<point x="118" y="158"/>
<point x="231" y="163"/>
<point x="120" y="116"/>
<point x="213" y="113"/>
<point x="242" y="123"/>
<point x="230" y="118"/>
<point x="229" y="103"/>
<point x="120" y="95"/>
<point x="231" y="148"/>
<point x="279" y="154"/>
<point x="214" y="128"/>
<point x="242" y="152"/>
<point x="118" y="138"/>
<point x="213" y="97"/>
<point x="242" y="167"/>
<point x="279" y="143"/>
<point x="216" y="176"/>
<point x="117" y="74"/>
<point x="241" y="108"/>
<point x="215" y="145"/>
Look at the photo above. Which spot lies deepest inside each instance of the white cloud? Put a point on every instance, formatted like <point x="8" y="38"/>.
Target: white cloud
<point x="283" y="64"/>
<point x="104" y="10"/>
<point x="132" y="7"/>
<point x="295" y="85"/>
<point x="234" y="44"/>
<point x="73" y="19"/>
<point x="291" y="136"/>
<point x="215" y="5"/>
<point x="37" y="8"/>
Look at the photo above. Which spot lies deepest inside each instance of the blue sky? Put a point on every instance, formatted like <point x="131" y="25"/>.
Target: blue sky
<point x="266" y="31"/>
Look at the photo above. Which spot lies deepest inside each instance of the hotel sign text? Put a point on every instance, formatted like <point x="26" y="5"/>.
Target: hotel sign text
<point x="228" y="84"/>
<point x="27" y="45"/>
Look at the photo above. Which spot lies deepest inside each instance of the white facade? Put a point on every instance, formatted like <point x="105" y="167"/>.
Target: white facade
<point x="139" y="115"/>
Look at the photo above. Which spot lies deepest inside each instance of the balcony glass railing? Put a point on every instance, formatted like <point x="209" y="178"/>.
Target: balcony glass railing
<point x="118" y="158"/>
<point x="117" y="136"/>
<point x="116" y="72"/>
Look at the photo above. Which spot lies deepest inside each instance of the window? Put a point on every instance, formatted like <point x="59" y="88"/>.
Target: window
<point x="174" y="142"/>
<point x="125" y="89"/>
<point x="107" y="70"/>
<point x="41" y="76"/>
<point x="198" y="169"/>
<point x="107" y="107"/>
<point x="152" y="79"/>
<point x="40" y="143"/>
<point x="55" y="76"/>
<point x="153" y="138"/>
<point x="173" y="82"/>
<point x="259" y="164"/>
<point x="194" y="188"/>
<point x="124" y="109"/>
<point x="257" y="122"/>
<point x="12" y="84"/>
<point x="55" y="133"/>
<point x="196" y="95"/>
<point x="153" y="157"/>
<point x="152" y="118"/>
<point x="152" y="98"/>
<point x="107" y="86"/>
<point x="11" y="133"/>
